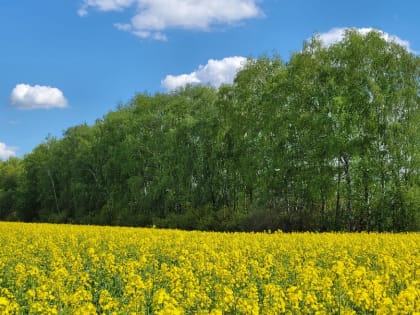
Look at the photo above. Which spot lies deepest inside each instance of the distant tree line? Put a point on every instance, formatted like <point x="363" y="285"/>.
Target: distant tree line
<point x="329" y="140"/>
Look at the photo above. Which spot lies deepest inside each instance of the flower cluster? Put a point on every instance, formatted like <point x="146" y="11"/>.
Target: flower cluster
<point x="65" y="269"/>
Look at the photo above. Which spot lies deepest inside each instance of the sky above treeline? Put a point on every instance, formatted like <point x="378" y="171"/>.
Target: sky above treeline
<point x="65" y="63"/>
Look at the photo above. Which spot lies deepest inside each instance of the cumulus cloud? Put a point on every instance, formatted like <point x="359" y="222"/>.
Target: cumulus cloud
<point x="25" y="96"/>
<point x="214" y="73"/>
<point x="155" y="16"/>
<point x="6" y="151"/>
<point x="337" y="34"/>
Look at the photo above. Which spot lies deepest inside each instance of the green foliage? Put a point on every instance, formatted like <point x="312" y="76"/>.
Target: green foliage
<point x="10" y="172"/>
<point x="326" y="141"/>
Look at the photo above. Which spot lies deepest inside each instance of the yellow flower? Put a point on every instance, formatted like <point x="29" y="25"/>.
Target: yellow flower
<point x="65" y="269"/>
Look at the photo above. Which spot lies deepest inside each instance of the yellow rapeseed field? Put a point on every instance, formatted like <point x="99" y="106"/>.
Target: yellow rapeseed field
<point x="67" y="269"/>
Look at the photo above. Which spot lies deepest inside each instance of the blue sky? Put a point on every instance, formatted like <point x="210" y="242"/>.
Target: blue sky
<point x="69" y="62"/>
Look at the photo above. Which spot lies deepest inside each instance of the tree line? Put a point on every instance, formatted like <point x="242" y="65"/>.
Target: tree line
<point x="326" y="141"/>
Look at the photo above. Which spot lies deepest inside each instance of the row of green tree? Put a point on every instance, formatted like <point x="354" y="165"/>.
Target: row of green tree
<point x="326" y="141"/>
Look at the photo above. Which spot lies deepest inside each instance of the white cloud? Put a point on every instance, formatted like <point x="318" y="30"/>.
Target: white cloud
<point x="155" y="16"/>
<point x="6" y="151"/>
<point x="104" y="5"/>
<point x="337" y="34"/>
<point x="172" y="82"/>
<point x="215" y="73"/>
<point x="123" y="27"/>
<point x="25" y="96"/>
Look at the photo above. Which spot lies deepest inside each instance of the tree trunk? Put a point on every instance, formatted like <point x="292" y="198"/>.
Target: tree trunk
<point x="349" y="204"/>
